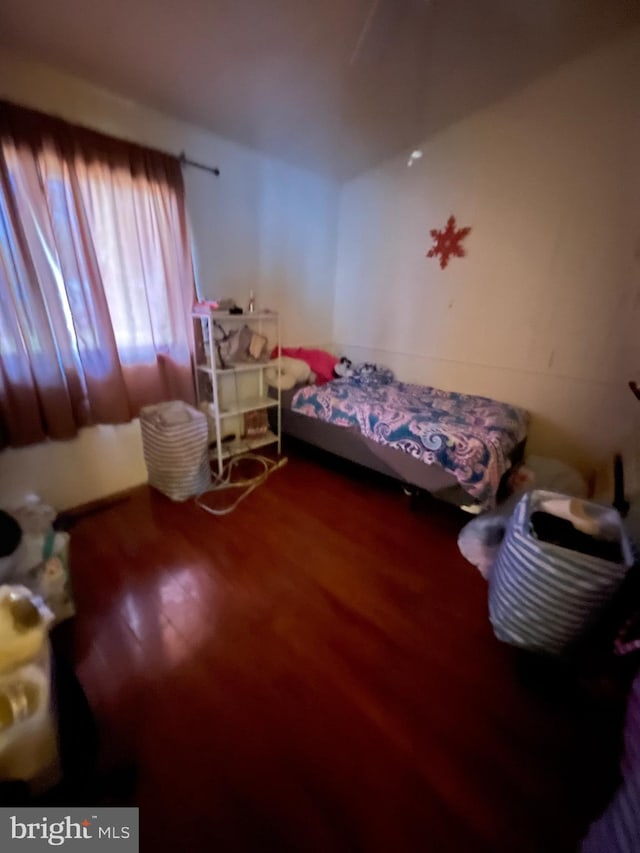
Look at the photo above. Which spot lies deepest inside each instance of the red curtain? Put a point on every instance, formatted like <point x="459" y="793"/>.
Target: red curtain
<point x="96" y="279"/>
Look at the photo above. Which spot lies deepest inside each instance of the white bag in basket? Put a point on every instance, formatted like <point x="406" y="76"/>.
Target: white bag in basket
<point x="175" y="441"/>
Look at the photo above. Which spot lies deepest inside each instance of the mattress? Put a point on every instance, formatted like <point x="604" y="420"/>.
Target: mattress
<point x="468" y="438"/>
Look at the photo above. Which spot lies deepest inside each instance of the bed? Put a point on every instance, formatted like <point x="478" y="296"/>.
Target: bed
<point x="458" y="447"/>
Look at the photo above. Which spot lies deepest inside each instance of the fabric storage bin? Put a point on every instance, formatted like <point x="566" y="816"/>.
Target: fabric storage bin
<point x="543" y="595"/>
<point x="175" y="442"/>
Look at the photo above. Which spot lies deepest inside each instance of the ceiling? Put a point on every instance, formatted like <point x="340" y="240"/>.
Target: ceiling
<point x="334" y="85"/>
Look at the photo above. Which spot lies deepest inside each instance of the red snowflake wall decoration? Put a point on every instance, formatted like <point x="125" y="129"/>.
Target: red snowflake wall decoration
<point x="447" y="242"/>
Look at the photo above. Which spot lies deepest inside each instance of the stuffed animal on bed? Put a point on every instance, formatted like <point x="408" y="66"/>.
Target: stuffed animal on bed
<point x="285" y="372"/>
<point x="366" y="374"/>
<point x="343" y="369"/>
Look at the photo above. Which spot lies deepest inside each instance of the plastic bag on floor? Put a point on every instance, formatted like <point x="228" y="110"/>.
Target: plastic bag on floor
<point x="50" y="579"/>
<point x="479" y="541"/>
<point x="35" y="517"/>
<point x="556" y="476"/>
<point x="42" y="563"/>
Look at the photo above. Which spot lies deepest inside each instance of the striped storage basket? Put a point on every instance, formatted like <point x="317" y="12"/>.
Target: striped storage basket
<point x="175" y="441"/>
<point x="542" y="596"/>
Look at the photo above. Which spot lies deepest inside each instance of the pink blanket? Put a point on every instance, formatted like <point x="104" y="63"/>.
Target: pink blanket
<point x="321" y="362"/>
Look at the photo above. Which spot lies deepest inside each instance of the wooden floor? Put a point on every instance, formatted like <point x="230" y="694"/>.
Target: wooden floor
<point x="316" y="672"/>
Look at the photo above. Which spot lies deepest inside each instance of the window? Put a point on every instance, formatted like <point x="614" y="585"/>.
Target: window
<point x="96" y="278"/>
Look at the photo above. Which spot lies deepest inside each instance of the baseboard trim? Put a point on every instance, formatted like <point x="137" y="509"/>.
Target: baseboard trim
<point x="68" y="517"/>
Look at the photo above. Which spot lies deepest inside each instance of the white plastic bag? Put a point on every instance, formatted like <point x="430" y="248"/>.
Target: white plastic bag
<point x="479" y="541"/>
<point x="50" y="579"/>
<point x="556" y="476"/>
<point x="42" y="561"/>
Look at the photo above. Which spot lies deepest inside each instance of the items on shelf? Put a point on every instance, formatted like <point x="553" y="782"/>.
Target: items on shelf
<point x="239" y="345"/>
<point x="225" y="306"/>
<point x="206" y="306"/>
<point x="231" y="385"/>
<point x="256" y="423"/>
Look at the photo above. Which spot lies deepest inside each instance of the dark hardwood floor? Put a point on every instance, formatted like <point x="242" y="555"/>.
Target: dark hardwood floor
<point x="316" y="672"/>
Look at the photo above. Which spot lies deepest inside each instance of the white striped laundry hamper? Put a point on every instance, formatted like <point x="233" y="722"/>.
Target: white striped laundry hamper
<point x="543" y="596"/>
<point x="175" y="442"/>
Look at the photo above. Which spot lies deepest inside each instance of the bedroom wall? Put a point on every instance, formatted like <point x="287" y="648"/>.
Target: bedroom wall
<point x="262" y="224"/>
<point x="545" y="308"/>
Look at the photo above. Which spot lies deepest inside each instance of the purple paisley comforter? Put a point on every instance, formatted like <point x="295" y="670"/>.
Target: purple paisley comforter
<point x="471" y="437"/>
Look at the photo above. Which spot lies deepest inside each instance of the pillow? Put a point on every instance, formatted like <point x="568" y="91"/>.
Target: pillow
<point x="277" y="378"/>
<point x="320" y="361"/>
<point x="295" y="367"/>
<point x="286" y="372"/>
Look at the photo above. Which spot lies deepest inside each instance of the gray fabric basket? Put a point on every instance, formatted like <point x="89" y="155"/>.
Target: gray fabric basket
<point x="543" y="597"/>
<point x="175" y="442"/>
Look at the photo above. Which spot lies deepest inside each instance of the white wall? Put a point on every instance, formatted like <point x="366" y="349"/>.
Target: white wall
<point x="101" y="461"/>
<point x="261" y="225"/>
<point x="545" y="309"/>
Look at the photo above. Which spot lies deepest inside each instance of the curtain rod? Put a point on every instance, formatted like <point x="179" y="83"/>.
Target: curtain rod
<point x="185" y="161"/>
